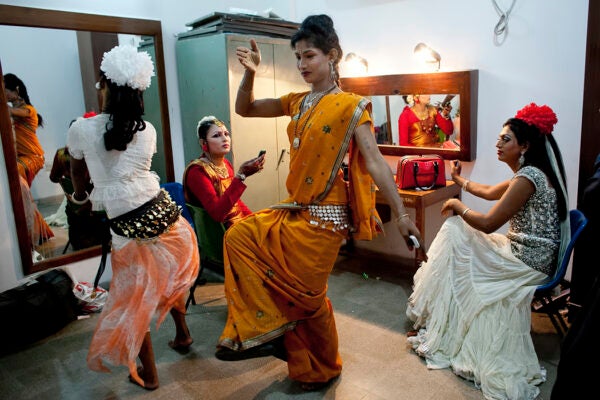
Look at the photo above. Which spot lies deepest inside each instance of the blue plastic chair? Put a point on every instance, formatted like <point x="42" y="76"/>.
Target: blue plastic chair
<point x="175" y="190"/>
<point x="545" y="300"/>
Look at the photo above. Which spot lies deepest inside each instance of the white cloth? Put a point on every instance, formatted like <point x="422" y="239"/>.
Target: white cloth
<point x="474" y="297"/>
<point x="122" y="179"/>
<point x="59" y="218"/>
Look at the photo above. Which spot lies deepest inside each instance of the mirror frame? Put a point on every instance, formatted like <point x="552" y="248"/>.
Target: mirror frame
<point x="463" y="83"/>
<point x="43" y="18"/>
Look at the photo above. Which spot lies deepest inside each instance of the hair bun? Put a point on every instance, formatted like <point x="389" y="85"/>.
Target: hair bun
<point x="542" y="117"/>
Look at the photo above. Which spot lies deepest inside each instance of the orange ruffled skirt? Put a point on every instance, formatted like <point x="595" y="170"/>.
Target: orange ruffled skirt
<point x="149" y="278"/>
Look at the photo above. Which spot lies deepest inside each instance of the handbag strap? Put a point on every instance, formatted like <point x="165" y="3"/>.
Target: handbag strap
<point x="436" y="171"/>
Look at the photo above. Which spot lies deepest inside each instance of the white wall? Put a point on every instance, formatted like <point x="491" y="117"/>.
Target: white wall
<point x="541" y="59"/>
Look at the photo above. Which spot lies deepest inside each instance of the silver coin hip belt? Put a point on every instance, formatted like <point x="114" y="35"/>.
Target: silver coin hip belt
<point x="331" y="216"/>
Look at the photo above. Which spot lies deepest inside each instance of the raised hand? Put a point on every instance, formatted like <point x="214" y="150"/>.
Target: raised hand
<point x="249" y="57"/>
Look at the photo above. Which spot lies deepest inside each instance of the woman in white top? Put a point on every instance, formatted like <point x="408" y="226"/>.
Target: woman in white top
<point x="154" y="253"/>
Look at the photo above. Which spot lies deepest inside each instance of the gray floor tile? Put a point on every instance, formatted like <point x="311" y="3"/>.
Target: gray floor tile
<point x="378" y="364"/>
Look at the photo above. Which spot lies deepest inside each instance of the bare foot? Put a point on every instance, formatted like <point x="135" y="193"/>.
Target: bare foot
<point x="316" y="386"/>
<point x="145" y="385"/>
<point x="182" y="347"/>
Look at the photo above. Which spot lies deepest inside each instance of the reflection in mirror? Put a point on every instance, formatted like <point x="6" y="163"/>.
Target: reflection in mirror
<point x="442" y="119"/>
<point x="60" y="72"/>
<point x="393" y="115"/>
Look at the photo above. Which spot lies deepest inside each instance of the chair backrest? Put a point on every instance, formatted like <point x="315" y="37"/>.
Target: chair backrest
<point x="578" y="222"/>
<point x="209" y="233"/>
<point x="175" y="190"/>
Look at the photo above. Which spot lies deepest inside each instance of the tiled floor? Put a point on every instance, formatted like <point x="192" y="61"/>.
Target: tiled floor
<point x="369" y="298"/>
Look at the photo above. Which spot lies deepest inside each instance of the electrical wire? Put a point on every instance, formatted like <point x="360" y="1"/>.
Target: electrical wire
<point x="502" y="25"/>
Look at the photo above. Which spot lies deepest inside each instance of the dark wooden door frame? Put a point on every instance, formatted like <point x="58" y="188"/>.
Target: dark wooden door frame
<point x="590" y="121"/>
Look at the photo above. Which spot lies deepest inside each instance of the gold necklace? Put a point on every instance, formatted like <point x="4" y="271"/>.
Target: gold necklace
<point x="220" y="170"/>
<point x="307" y="105"/>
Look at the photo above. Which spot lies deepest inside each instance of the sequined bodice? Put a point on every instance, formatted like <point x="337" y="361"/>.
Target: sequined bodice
<point x="534" y="231"/>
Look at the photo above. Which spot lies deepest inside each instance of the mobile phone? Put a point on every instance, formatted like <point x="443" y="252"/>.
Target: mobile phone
<point x="415" y="241"/>
<point x="260" y="153"/>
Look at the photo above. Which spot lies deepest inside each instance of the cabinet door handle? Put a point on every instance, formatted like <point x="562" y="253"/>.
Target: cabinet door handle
<point x="280" y="158"/>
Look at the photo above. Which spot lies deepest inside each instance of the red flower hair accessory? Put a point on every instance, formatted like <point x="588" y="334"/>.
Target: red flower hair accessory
<point x="542" y="117"/>
<point x="89" y="114"/>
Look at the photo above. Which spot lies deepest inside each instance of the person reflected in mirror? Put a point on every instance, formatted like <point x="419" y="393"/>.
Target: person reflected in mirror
<point x="30" y="154"/>
<point x="422" y="124"/>
<point x="86" y="227"/>
<point x="154" y="256"/>
<point x="471" y="301"/>
<point x="278" y="260"/>
<point x="209" y="181"/>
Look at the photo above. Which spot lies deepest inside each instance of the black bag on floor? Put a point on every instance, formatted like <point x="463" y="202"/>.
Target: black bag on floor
<point x="34" y="311"/>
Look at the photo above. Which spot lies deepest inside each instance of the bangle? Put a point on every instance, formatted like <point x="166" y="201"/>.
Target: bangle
<point x="244" y="91"/>
<point x="80" y="202"/>
<point x="240" y="176"/>
<point x="466" y="211"/>
<point x="405" y="215"/>
<point x="466" y="185"/>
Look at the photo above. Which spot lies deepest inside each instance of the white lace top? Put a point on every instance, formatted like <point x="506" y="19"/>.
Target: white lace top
<point x="122" y="179"/>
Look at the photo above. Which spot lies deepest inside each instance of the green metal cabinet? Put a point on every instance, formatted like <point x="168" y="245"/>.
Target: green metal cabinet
<point x="152" y="113"/>
<point x="209" y="75"/>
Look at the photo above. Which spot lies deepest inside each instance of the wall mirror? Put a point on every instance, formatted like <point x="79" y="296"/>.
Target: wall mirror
<point x="74" y="26"/>
<point x="388" y="92"/>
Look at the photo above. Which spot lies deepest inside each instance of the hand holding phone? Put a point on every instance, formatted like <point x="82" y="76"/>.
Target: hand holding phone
<point x="415" y="241"/>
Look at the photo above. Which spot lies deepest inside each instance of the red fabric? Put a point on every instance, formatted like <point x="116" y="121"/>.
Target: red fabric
<point x="201" y="191"/>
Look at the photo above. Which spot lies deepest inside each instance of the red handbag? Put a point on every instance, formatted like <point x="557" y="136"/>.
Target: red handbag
<point x="421" y="172"/>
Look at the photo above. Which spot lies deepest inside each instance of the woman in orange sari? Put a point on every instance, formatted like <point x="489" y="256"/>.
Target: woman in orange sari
<point x="30" y="154"/>
<point x="278" y="260"/>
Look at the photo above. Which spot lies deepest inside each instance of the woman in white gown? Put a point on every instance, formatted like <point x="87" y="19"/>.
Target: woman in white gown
<point x="471" y="300"/>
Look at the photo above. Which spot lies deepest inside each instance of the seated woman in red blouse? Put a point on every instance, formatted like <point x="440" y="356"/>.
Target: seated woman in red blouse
<point x="209" y="181"/>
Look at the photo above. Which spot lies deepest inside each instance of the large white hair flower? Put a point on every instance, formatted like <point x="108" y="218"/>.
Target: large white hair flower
<point x="125" y="66"/>
<point x="410" y="100"/>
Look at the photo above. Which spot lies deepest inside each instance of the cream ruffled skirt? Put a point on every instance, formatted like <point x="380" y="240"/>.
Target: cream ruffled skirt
<point x="472" y="304"/>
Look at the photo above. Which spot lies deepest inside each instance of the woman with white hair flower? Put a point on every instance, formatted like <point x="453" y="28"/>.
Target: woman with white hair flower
<point x="154" y="254"/>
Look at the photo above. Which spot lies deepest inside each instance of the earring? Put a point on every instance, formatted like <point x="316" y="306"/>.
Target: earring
<point x="521" y="160"/>
<point x="205" y="147"/>
<point x="331" y="71"/>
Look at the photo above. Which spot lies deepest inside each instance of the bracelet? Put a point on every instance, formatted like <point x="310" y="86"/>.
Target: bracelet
<point x="244" y="91"/>
<point x="466" y="211"/>
<point x="80" y="202"/>
<point x="240" y="176"/>
<point x="466" y="185"/>
<point x="402" y="216"/>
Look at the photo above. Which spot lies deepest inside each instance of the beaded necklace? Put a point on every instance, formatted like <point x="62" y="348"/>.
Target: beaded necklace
<point x="220" y="170"/>
<point x="307" y="104"/>
<point x="427" y="123"/>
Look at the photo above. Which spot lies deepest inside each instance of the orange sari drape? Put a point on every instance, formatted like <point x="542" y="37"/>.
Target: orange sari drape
<point x="277" y="262"/>
<point x="30" y="160"/>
